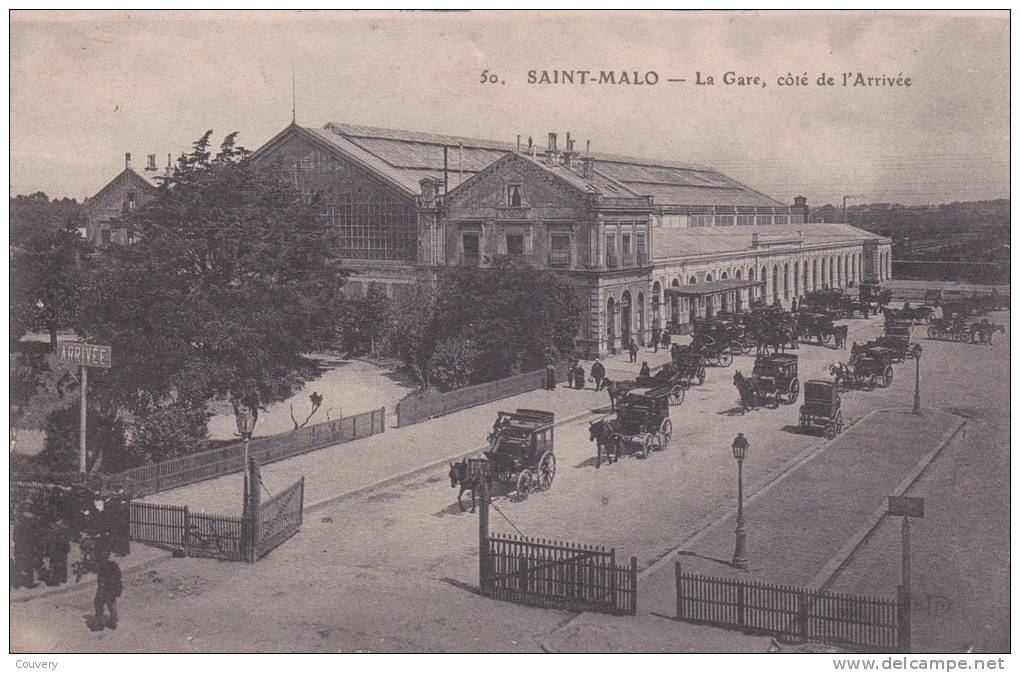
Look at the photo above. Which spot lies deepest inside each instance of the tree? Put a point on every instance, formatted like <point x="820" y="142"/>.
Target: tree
<point x="231" y="282"/>
<point x="46" y="254"/>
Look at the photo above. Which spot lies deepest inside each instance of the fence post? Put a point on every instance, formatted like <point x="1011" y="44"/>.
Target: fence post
<point x="614" y="598"/>
<point x="802" y="615"/>
<point x="633" y="584"/>
<point x="679" y="592"/>
<point x="902" y="618"/>
<point x="187" y="532"/>
<point x="354" y="426"/>
<point x="382" y="424"/>
<point x="741" y="622"/>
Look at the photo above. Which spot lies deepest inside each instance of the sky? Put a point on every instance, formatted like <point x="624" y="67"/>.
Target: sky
<point x="86" y="87"/>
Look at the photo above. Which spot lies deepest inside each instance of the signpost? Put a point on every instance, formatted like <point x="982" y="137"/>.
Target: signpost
<point x="85" y="356"/>
<point x="907" y="508"/>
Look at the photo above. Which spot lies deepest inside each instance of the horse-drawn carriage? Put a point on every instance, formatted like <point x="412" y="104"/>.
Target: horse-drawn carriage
<point x="773" y="380"/>
<point x="950" y="330"/>
<point x="727" y="331"/>
<point x="641" y="424"/>
<point x="713" y="351"/>
<point x="832" y="301"/>
<point x="921" y="313"/>
<point x="874" y="294"/>
<point x="897" y="337"/>
<point x="821" y="408"/>
<point x="669" y="377"/>
<point x="811" y="325"/>
<point x="873" y="365"/>
<point x="520" y="453"/>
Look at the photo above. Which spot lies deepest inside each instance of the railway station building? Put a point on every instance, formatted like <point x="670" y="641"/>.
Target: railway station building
<point x="647" y="243"/>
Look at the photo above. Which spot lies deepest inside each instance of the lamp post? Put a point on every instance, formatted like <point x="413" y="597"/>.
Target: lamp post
<point x="245" y="427"/>
<point x="917" y="379"/>
<point x="740" y="550"/>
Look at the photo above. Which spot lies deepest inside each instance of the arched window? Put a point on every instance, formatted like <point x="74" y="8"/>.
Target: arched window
<point x="814" y="274"/>
<point x="708" y="277"/>
<point x="786" y="280"/>
<point x="656" y="305"/>
<point x="738" y="274"/>
<point x="692" y="281"/>
<point x="723" y="276"/>
<point x="775" y="282"/>
<point x="796" y="279"/>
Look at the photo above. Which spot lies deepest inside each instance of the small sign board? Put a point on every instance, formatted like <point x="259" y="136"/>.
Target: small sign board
<point x="85" y="355"/>
<point x="905" y="506"/>
<point x="478" y="467"/>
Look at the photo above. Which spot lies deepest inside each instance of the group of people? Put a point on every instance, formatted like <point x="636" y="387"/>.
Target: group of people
<point x="42" y="534"/>
<point x="576" y="375"/>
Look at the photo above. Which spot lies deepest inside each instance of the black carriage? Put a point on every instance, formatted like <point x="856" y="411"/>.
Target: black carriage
<point x="821" y="408"/>
<point x="688" y="365"/>
<point x="521" y="450"/>
<point x="776" y="378"/>
<point x="813" y="325"/>
<point x="831" y="301"/>
<point x="897" y="337"/>
<point x="728" y="332"/>
<point x="874" y="294"/>
<point x="669" y="377"/>
<point x="950" y="330"/>
<point x="642" y="421"/>
<point x="713" y="352"/>
<point x="875" y="364"/>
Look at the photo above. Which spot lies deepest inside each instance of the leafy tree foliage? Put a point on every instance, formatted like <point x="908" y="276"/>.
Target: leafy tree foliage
<point x="474" y="324"/>
<point x="230" y="283"/>
<point x="46" y="255"/>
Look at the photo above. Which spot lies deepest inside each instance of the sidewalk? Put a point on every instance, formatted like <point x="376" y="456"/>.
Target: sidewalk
<point x="801" y="527"/>
<point x="345" y="468"/>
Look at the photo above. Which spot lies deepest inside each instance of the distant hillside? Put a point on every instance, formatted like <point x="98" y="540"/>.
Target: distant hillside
<point x="973" y="231"/>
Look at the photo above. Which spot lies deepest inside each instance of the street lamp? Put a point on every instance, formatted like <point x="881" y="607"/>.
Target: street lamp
<point x="917" y="379"/>
<point x="245" y="427"/>
<point x="740" y="550"/>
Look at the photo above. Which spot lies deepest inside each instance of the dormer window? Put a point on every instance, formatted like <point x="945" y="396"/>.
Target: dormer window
<point x="513" y="196"/>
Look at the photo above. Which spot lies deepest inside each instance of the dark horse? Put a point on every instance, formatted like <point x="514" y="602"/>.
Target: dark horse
<point x="603" y="433"/>
<point x="459" y="476"/>
<point x="749" y="394"/>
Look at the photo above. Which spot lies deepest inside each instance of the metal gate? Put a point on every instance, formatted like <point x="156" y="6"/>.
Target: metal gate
<point x="279" y="518"/>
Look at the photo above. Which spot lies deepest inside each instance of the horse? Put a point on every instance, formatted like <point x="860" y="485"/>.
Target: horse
<point x="748" y="391"/>
<point x="840" y="334"/>
<point x="603" y="432"/>
<point x="616" y="390"/>
<point x="459" y="476"/>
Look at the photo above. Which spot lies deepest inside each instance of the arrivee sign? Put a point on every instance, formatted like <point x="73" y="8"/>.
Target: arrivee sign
<point x="85" y="355"/>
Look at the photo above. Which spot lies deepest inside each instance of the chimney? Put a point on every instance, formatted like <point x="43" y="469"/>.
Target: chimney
<point x="588" y="168"/>
<point x="800" y="202"/>
<point x="151" y="165"/>
<point x="127" y="160"/>
<point x="569" y="154"/>
<point x="550" y="151"/>
<point x="518" y="142"/>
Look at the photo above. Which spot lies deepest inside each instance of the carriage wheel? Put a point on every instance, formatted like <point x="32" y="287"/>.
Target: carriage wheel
<point x="794" y="391"/>
<point x="725" y="359"/>
<point x="830" y="430"/>
<point x="701" y="374"/>
<point x="525" y="484"/>
<point x="887" y="377"/>
<point x="933" y="333"/>
<point x="676" y="395"/>
<point x="546" y="470"/>
<point x="665" y="432"/>
<point x="464" y="499"/>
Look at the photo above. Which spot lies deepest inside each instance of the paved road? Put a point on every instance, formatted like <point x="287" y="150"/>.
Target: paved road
<point x="395" y="570"/>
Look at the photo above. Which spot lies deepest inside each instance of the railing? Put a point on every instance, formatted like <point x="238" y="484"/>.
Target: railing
<point x="183" y="470"/>
<point x="558" y="575"/>
<point x="791" y="612"/>
<point x="414" y="410"/>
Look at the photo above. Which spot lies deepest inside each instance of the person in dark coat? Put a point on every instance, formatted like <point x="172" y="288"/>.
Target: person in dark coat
<point x="633" y="350"/>
<point x="666" y="340"/>
<point x="25" y="538"/>
<point x="578" y="376"/>
<point x="108" y="589"/>
<point x="58" y="549"/>
<point x="645" y="370"/>
<point x="598" y="374"/>
<point x="656" y="336"/>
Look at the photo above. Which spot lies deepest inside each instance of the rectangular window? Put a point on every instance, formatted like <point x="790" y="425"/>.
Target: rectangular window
<point x="764" y="219"/>
<point x="642" y="249"/>
<point x="796" y="219"/>
<point x="513" y="196"/>
<point x="701" y="220"/>
<point x="724" y="220"/>
<point x="515" y="244"/>
<point x="625" y="246"/>
<point x="782" y="219"/>
<point x="745" y="220"/>
<point x="559" y="250"/>
<point x="611" y="250"/>
<point x="472" y="250"/>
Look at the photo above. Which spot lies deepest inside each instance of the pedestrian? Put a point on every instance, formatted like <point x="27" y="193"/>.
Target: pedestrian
<point x="58" y="549"/>
<point x="666" y="339"/>
<point x="25" y="542"/>
<point x="633" y="350"/>
<point x="579" y="377"/>
<point x="108" y="589"/>
<point x="646" y="371"/>
<point x="598" y="374"/>
<point x="656" y="334"/>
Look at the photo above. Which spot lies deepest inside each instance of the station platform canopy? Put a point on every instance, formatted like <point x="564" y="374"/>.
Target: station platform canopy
<point x="713" y="287"/>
